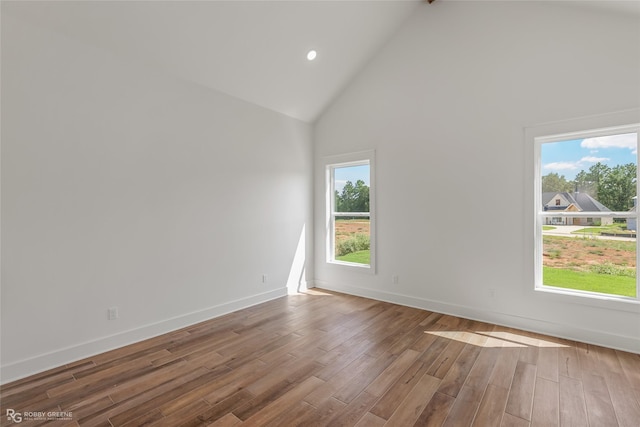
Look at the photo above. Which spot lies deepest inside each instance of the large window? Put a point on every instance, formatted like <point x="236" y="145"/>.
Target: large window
<point x="350" y="210"/>
<point x="586" y="212"/>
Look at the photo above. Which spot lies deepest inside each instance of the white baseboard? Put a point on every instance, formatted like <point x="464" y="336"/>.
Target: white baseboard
<point x="23" y="368"/>
<point x="606" y="339"/>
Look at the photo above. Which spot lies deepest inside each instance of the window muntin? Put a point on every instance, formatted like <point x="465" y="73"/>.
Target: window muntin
<point x="590" y="249"/>
<point x="350" y="220"/>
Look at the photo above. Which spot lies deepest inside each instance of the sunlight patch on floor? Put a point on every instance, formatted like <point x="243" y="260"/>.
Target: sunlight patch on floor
<point x="316" y="292"/>
<point x="494" y="339"/>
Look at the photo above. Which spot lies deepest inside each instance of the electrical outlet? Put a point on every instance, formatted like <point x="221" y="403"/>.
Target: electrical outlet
<point x="491" y="293"/>
<point x="264" y="278"/>
<point x="112" y="313"/>
<point x="395" y="279"/>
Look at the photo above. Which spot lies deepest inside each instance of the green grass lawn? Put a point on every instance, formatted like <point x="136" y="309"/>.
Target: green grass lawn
<point x="359" y="257"/>
<point x="548" y="227"/>
<point x="615" y="228"/>
<point x="592" y="282"/>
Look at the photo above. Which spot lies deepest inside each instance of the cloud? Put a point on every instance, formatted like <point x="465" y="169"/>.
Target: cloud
<point x="591" y="159"/>
<point x="627" y="140"/>
<point x="563" y="166"/>
<point x="560" y="166"/>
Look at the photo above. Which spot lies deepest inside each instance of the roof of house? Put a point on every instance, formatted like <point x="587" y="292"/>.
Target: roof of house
<point x="583" y="201"/>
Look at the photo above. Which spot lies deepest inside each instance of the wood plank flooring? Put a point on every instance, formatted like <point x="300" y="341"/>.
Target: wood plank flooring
<point x="328" y="359"/>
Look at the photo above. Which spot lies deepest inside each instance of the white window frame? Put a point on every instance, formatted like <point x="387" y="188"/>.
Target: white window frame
<point x="345" y="160"/>
<point x="538" y="137"/>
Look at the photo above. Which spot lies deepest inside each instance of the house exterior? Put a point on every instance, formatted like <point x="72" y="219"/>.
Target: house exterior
<point x="574" y="202"/>
<point x="632" y="223"/>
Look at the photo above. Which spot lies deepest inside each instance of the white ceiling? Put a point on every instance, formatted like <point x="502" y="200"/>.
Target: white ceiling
<point x="253" y="50"/>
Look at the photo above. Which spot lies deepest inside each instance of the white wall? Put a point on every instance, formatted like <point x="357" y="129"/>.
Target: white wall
<point x="445" y="105"/>
<point x="123" y="186"/>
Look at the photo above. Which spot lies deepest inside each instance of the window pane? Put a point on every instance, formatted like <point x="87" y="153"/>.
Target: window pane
<point x="351" y="184"/>
<point x="588" y="261"/>
<point x="590" y="175"/>
<point x="586" y="177"/>
<point x="352" y="239"/>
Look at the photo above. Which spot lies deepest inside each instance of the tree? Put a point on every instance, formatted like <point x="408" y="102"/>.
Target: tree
<point x="596" y="175"/>
<point x="362" y="198"/>
<point x="554" y="183"/>
<point x="354" y="198"/>
<point x="584" y="184"/>
<point x="617" y="187"/>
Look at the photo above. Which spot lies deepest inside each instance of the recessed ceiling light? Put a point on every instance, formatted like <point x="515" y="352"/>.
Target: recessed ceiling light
<point x="312" y="55"/>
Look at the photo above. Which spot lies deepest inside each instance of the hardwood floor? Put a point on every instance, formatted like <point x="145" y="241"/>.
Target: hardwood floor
<point x="324" y="358"/>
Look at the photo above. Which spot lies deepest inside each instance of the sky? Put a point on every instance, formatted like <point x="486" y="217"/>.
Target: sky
<point x="350" y="173"/>
<point x="570" y="157"/>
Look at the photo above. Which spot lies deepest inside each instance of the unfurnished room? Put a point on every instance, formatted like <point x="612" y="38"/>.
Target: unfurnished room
<point x="319" y="213"/>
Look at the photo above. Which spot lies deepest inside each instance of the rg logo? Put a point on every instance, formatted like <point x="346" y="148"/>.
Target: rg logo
<point x="14" y="416"/>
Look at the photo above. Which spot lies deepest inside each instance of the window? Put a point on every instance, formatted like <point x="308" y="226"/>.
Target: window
<point x="557" y="202"/>
<point x="592" y="248"/>
<point x="350" y="217"/>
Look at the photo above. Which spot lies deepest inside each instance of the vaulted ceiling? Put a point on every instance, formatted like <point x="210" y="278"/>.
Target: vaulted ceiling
<point x="253" y="50"/>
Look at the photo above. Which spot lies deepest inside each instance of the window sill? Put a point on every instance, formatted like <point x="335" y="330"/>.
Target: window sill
<point x="362" y="268"/>
<point x="591" y="299"/>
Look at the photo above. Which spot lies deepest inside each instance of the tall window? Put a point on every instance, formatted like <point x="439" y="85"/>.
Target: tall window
<point x="588" y="244"/>
<point x="350" y="215"/>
